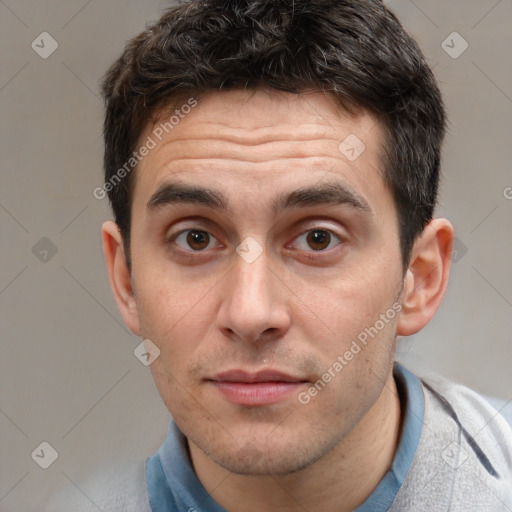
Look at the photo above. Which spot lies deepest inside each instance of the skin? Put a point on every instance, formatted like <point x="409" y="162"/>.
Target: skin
<point x="297" y="307"/>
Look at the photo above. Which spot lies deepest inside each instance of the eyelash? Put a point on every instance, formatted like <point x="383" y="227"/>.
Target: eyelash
<point x="190" y="253"/>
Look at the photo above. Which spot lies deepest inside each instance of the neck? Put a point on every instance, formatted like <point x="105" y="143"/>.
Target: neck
<point x="340" y="481"/>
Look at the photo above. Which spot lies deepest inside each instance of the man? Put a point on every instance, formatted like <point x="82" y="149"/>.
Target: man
<point x="273" y="170"/>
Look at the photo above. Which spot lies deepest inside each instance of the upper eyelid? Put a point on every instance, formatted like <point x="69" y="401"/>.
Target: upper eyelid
<point x="319" y="228"/>
<point x="173" y="236"/>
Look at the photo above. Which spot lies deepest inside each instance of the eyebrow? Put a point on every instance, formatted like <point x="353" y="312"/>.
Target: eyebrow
<point x="334" y="193"/>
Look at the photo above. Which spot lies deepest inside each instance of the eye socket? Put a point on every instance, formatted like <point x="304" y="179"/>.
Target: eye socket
<point x="196" y="239"/>
<point x="318" y="240"/>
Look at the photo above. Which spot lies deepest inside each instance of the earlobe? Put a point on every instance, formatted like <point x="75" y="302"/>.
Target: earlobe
<point x="119" y="275"/>
<point x="426" y="278"/>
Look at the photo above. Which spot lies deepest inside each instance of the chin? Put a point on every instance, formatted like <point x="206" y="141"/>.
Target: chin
<point x="249" y="461"/>
<point x="266" y="457"/>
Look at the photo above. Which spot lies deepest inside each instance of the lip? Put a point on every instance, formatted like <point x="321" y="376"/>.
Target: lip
<point x="265" y="387"/>
<point x="267" y="375"/>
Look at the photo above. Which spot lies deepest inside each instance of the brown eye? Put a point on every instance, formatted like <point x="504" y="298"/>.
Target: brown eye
<point x="198" y="240"/>
<point x="318" y="239"/>
<point x="194" y="239"/>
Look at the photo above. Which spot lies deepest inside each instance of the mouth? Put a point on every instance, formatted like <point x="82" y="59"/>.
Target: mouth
<point x="265" y="387"/>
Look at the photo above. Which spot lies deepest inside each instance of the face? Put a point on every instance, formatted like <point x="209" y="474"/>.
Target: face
<point x="262" y="253"/>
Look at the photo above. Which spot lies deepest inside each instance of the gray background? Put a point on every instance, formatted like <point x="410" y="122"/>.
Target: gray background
<point x="69" y="376"/>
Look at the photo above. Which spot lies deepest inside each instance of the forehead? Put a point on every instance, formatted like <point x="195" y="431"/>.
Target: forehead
<point x="262" y="142"/>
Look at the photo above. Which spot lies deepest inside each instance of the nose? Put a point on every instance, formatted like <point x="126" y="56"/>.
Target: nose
<point x="254" y="305"/>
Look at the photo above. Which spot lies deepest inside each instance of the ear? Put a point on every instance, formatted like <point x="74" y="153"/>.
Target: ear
<point x="426" y="278"/>
<point x="119" y="275"/>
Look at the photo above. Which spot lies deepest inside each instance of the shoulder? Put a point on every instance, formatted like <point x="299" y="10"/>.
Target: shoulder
<point x="486" y="415"/>
<point x="455" y="408"/>
<point x="464" y="456"/>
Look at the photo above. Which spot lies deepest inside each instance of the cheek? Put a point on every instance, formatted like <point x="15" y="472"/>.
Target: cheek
<point x="339" y="308"/>
<point x="177" y="316"/>
<point x="356" y="363"/>
<point x="352" y="334"/>
<point x="168" y="300"/>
